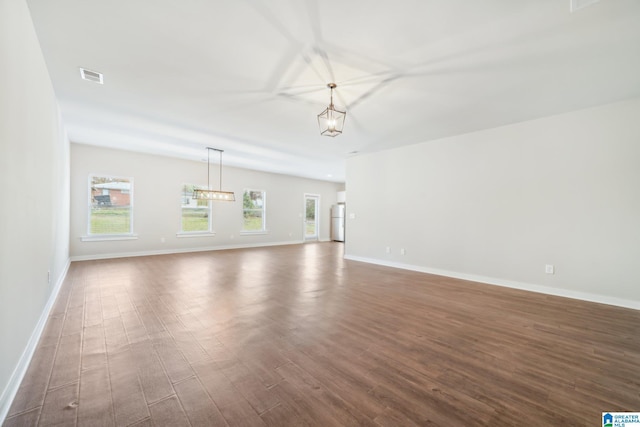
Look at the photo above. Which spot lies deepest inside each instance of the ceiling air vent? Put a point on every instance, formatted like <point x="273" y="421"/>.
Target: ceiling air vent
<point x="579" y="4"/>
<point x="92" y="76"/>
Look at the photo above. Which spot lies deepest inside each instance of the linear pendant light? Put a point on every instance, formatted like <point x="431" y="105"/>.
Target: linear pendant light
<point x="209" y="194"/>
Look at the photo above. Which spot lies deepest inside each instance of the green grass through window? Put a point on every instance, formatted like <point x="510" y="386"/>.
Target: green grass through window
<point x="310" y="228"/>
<point x="110" y="220"/>
<point x="195" y="219"/>
<point x="252" y="222"/>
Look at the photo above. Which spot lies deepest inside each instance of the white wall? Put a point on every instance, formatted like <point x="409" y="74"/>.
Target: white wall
<point x="34" y="195"/>
<point x="157" y="194"/>
<point x="498" y="205"/>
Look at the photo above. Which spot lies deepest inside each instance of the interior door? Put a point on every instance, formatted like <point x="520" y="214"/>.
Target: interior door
<point x="311" y="216"/>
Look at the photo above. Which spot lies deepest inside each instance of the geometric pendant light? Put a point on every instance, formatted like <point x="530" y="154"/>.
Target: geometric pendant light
<point x="331" y="121"/>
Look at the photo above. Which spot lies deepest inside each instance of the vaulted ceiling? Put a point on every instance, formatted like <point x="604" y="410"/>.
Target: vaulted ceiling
<point x="250" y="76"/>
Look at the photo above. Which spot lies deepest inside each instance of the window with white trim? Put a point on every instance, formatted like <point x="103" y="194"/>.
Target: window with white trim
<point x="253" y="210"/>
<point x="195" y="214"/>
<point x="110" y="205"/>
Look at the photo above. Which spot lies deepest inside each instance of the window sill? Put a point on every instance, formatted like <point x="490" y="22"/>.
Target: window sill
<point x="107" y="237"/>
<point x="253" y="233"/>
<point x="183" y="235"/>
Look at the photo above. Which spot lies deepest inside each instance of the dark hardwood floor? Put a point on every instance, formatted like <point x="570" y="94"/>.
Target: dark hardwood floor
<point x="297" y="336"/>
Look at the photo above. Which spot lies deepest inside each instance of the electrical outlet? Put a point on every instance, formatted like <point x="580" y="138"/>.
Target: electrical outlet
<point x="403" y="251"/>
<point x="49" y="277"/>
<point x="388" y="250"/>
<point x="162" y="240"/>
<point x="549" y="269"/>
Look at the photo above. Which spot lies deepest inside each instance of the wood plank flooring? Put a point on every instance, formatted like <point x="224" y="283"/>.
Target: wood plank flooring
<point x="298" y="336"/>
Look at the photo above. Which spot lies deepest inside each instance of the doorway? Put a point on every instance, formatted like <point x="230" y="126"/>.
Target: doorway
<point x="311" y="217"/>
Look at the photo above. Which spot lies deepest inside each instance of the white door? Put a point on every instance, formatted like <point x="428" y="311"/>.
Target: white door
<point x="311" y="216"/>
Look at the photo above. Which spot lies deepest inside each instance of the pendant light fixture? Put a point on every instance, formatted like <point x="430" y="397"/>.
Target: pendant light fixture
<point x="209" y="194"/>
<point x="331" y="121"/>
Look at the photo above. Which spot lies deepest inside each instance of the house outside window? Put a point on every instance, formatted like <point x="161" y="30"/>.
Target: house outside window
<point x="254" y="209"/>
<point x="110" y="205"/>
<point x="195" y="214"/>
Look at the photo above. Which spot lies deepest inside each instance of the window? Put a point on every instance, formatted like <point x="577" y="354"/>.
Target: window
<point x="110" y="205"/>
<point x="253" y="205"/>
<point x="196" y="214"/>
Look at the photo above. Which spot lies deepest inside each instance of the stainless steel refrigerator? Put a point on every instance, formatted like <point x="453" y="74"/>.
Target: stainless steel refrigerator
<point x="337" y="223"/>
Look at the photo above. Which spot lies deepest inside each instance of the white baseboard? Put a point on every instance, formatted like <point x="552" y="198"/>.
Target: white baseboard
<point x="567" y="293"/>
<point x="9" y="393"/>
<point x="181" y="250"/>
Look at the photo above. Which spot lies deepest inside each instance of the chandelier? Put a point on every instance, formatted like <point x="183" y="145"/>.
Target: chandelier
<point x="331" y="121"/>
<point x="209" y="194"/>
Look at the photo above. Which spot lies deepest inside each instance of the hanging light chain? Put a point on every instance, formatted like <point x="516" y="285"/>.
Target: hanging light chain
<point x="220" y="187"/>
<point x="208" y="168"/>
<point x="332" y="86"/>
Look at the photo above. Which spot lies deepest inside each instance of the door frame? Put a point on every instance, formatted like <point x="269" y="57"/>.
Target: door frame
<point x="306" y="197"/>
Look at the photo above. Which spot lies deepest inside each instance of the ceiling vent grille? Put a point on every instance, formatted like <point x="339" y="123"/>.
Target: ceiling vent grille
<point x="580" y="4"/>
<point x="92" y="76"/>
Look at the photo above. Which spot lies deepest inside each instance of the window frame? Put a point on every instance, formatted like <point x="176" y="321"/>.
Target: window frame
<point x="130" y="235"/>
<point x="264" y="229"/>
<point x="196" y="233"/>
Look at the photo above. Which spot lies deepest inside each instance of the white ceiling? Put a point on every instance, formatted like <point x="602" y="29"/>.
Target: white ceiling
<point x="249" y="76"/>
